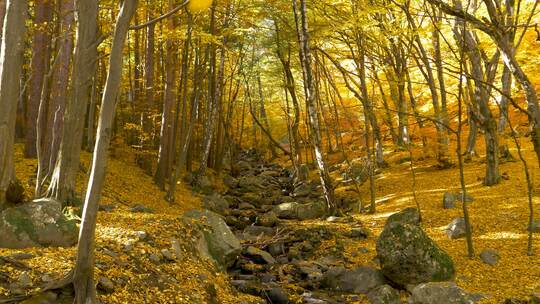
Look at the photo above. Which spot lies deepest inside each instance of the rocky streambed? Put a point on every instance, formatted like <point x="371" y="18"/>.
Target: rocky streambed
<point x="277" y="246"/>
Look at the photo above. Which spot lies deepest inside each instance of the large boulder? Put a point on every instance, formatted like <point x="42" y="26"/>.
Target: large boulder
<point x="215" y="239"/>
<point x="440" y="292"/>
<point x="360" y="280"/>
<point x="39" y="223"/>
<point x="406" y="216"/>
<point x="408" y="256"/>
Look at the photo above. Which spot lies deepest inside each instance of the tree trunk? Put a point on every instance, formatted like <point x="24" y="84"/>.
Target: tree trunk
<point x="41" y="51"/>
<point x="164" y="155"/>
<point x="85" y="57"/>
<point x="306" y="60"/>
<point x="11" y="59"/>
<point x="83" y="279"/>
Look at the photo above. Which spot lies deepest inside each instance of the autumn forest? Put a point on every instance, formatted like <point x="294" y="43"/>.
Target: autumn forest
<point x="278" y="151"/>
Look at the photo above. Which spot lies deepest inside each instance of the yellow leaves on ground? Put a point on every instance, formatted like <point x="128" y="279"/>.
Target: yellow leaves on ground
<point x="136" y="278"/>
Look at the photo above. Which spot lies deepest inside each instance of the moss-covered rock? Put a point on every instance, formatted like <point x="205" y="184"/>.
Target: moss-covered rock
<point x="39" y="223"/>
<point x="408" y="256"/>
<point x="405" y="216"/>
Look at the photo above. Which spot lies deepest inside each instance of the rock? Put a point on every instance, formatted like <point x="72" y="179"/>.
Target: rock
<point x="138" y="208"/>
<point x="359" y="233"/>
<point x="302" y="190"/>
<point x="490" y="256"/>
<point x="215" y="240"/>
<point x="258" y="231"/>
<point x="311" y="211"/>
<point x="449" y="200"/>
<point x="216" y="203"/>
<point x="384" y="294"/>
<point x="250" y="184"/>
<point x="169" y="256"/>
<point x="286" y="210"/>
<point x="107" y="208"/>
<point x="24" y="280"/>
<point x="243" y="166"/>
<point x="141" y="235"/>
<point x="230" y="182"/>
<point x="246" y="206"/>
<point x="456" y="229"/>
<point x="439" y="292"/>
<point x="39" y="223"/>
<point x="268" y="219"/>
<point x="406" y="216"/>
<point x="154" y="258"/>
<point x="105" y="285"/>
<point x="276" y="249"/>
<point x="360" y="280"/>
<point x="259" y="256"/>
<point x="278" y="296"/>
<point x="408" y="256"/>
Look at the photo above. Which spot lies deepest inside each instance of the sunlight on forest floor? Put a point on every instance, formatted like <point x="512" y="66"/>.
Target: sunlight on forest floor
<point x="499" y="216"/>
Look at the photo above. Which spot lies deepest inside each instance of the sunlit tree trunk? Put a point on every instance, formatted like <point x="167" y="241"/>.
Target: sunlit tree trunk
<point x="83" y="279"/>
<point x="11" y="60"/>
<point x="306" y="60"/>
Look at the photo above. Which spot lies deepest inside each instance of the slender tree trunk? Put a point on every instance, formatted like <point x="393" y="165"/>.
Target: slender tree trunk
<point x="85" y="57"/>
<point x="11" y="60"/>
<point x="306" y="60"/>
<point x="83" y="279"/>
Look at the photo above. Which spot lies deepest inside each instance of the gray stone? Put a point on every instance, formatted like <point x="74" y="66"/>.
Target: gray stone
<point x="359" y="232"/>
<point x="490" y="256"/>
<point x="383" y="294"/>
<point x="406" y="216"/>
<point x="311" y="211"/>
<point x="440" y="292"/>
<point x="278" y="296"/>
<point x="360" y="280"/>
<point x="154" y="258"/>
<point x="230" y="181"/>
<point x="215" y="239"/>
<point x="246" y="206"/>
<point x="268" y="219"/>
<point x="287" y="210"/>
<point x="408" y="256"/>
<point x="39" y="223"/>
<point x="449" y="200"/>
<point x="260" y="256"/>
<point x="258" y="231"/>
<point x="24" y="280"/>
<point x="216" y="203"/>
<point x="169" y="256"/>
<point x="105" y="285"/>
<point x="138" y="208"/>
<point x="456" y="229"/>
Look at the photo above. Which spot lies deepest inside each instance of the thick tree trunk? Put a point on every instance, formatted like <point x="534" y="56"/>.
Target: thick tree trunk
<point x="85" y="57"/>
<point x="51" y="134"/>
<point x="83" y="279"/>
<point x="306" y="60"/>
<point x="41" y="50"/>
<point x="166" y="144"/>
<point x="11" y="59"/>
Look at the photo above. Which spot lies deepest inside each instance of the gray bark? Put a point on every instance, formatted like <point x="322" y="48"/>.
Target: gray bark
<point x="83" y="279"/>
<point x="11" y="58"/>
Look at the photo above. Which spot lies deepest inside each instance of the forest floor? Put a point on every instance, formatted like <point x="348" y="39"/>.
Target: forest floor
<point x="499" y="216"/>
